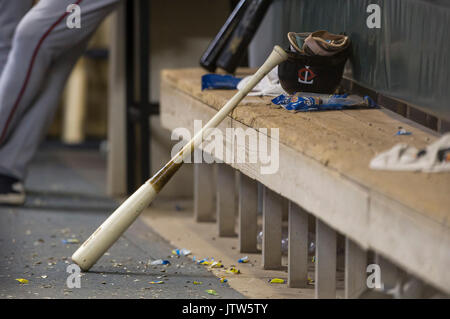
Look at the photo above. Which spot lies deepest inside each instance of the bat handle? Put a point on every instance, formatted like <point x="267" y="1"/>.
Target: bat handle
<point x="277" y="56"/>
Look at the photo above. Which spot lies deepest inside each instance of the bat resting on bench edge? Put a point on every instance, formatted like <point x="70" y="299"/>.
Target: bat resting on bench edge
<point x="118" y="222"/>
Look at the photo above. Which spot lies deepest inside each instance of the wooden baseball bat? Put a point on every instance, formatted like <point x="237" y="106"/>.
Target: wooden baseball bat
<point x="114" y="226"/>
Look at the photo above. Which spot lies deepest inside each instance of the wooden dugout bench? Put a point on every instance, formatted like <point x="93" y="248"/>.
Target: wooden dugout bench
<point x="403" y="217"/>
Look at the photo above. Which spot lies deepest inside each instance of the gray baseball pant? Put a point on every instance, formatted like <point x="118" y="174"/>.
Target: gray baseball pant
<point x="37" y="53"/>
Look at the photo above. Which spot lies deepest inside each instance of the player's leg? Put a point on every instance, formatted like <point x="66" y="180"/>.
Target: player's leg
<point x="22" y="141"/>
<point x="11" y="12"/>
<point x="40" y="38"/>
<point x="21" y="146"/>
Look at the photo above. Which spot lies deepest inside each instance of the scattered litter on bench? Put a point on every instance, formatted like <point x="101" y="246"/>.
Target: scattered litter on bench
<point x="219" y="82"/>
<point x="70" y="241"/>
<point x="306" y="102"/>
<point x="22" y="280"/>
<point x="181" y="252"/>
<point x="243" y="260"/>
<point x="277" y="281"/>
<point x="402" y="131"/>
<point x="211" y="292"/>
<point x="403" y="157"/>
<point x="160" y="262"/>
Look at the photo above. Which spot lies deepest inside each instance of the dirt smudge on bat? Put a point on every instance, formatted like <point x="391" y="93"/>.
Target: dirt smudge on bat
<point x="165" y="174"/>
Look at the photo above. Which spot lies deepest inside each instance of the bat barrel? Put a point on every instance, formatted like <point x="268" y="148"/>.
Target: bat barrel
<point x="113" y="227"/>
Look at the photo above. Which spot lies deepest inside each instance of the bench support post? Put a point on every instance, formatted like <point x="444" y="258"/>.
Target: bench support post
<point x="248" y="210"/>
<point x="389" y="272"/>
<point x="325" y="260"/>
<point x="272" y="218"/>
<point x="225" y="205"/>
<point x="298" y="247"/>
<point x="355" y="269"/>
<point x="204" y="192"/>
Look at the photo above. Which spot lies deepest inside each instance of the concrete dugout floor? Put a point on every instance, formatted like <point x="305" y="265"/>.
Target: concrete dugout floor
<point x="65" y="199"/>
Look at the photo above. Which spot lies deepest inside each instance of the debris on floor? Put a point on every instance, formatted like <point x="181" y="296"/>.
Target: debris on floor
<point x="233" y="270"/>
<point x="38" y="242"/>
<point x="70" y="241"/>
<point x="205" y="262"/>
<point x="160" y="262"/>
<point x="36" y="245"/>
<point x="277" y="281"/>
<point x="211" y="292"/>
<point x="216" y="264"/>
<point x="244" y="260"/>
<point x="181" y="252"/>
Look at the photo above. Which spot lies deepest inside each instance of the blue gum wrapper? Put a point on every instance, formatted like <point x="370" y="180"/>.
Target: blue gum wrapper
<point x="219" y="82"/>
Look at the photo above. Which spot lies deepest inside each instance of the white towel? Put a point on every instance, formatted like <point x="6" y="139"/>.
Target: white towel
<point x="402" y="157"/>
<point x="268" y="86"/>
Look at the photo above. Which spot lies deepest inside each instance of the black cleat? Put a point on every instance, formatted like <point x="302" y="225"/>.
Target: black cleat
<point x="12" y="191"/>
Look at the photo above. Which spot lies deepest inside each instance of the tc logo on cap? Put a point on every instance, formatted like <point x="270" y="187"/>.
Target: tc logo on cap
<point x="306" y="75"/>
